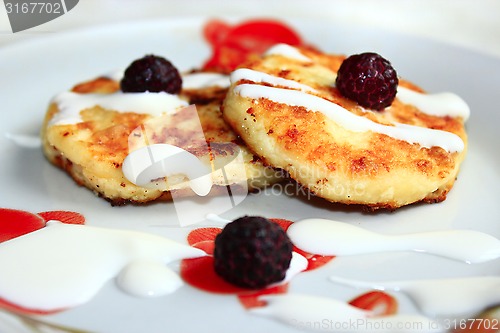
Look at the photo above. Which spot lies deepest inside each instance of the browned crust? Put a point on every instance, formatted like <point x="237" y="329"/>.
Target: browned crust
<point x="303" y="140"/>
<point x="104" y="136"/>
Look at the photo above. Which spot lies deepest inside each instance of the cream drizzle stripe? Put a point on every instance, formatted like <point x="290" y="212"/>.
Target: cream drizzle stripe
<point x="441" y="104"/>
<point x="260" y="77"/>
<point x="288" y="51"/>
<point x="413" y="134"/>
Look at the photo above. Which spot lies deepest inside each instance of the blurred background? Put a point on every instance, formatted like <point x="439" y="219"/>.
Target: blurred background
<point x="472" y="24"/>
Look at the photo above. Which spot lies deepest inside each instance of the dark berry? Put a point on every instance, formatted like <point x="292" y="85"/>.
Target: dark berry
<point x="252" y="252"/>
<point x="151" y="73"/>
<point x="368" y="79"/>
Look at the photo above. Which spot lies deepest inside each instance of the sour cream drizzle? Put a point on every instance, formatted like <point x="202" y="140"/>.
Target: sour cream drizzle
<point x="288" y="51"/>
<point x="77" y="260"/>
<point x="413" y="134"/>
<point x="441" y="104"/>
<point x="445" y="298"/>
<point x="260" y="77"/>
<point x="25" y="140"/>
<point x="329" y="237"/>
<point x="444" y="104"/>
<point x="70" y="104"/>
<point x="204" y="80"/>
<point x="298" y="264"/>
<point x="327" y="314"/>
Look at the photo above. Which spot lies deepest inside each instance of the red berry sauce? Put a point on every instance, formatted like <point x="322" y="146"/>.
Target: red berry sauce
<point x="232" y="45"/>
<point x="200" y="273"/>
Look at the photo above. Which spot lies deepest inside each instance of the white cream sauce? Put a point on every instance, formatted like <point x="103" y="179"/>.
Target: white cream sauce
<point x="328" y="237"/>
<point x="155" y="161"/>
<point x="425" y="137"/>
<point x="260" y="77"/>
<point x="204" y="80"/>
<point x="288" y="51"/>
<point x="25" y="140"/>
<point x="298" y="264"/>
<point x="63" y="265"/>
<point x="70" y="104"/>
<point x="148" y="279"/>
<point x="441" y="104"/>
<point x="329" y="315"/>
<point x="445" y="298"/>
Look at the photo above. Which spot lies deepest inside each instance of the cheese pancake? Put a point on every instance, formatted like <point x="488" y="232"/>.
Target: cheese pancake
<point x="92" y="143"/>
<point x="286" y="108"/>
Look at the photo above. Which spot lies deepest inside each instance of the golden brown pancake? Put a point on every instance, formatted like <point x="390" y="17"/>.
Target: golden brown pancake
<point x="335" y="160"/>
<point x="92" y="151"/>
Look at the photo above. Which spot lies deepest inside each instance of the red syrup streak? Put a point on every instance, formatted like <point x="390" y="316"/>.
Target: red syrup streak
<point x="199" y="272"/>
<point x="380" y="303"/>
<point x="233" y="44"/>
<point x="15" y="223"/>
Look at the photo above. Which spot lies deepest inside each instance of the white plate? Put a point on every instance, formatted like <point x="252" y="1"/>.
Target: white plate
<point x="32" y="72"/>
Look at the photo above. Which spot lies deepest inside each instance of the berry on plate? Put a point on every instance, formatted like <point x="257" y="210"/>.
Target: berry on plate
<point x="252" y="252"/>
